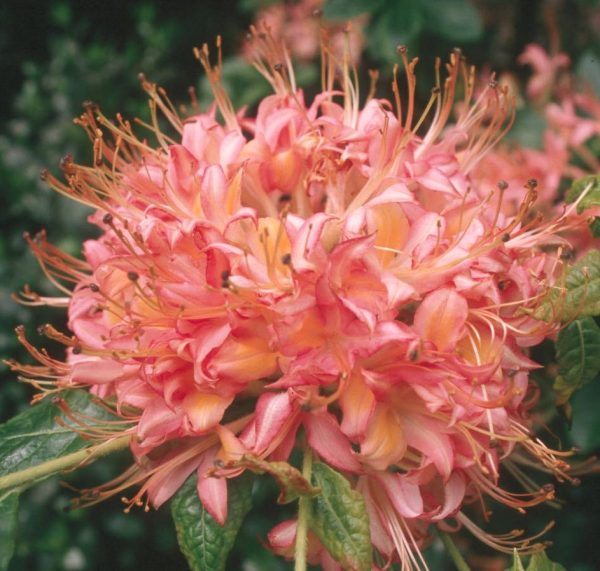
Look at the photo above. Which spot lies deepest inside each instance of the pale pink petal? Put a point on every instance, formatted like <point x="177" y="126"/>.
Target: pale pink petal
<point x="441" y="318"/>
<point x="212" y="491"/>
<point x="404" y="495"/>
<point x="324" y="436"/>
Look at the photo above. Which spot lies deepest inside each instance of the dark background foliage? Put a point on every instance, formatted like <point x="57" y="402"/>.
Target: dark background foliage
<point x="55" y="54"/>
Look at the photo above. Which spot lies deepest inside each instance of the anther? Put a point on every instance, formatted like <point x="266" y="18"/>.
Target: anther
<point x="44" y="174"/>
<point x="435" y="90"/>
<point x="107" y="218"/>
<point x="219" y="463"/>
<point x="286" y="259"/>
<point x="94" y="287"/>
<point x="317" y="13"/>
<point x="278" y="67"/>
<point x="493" y="84"/>
<point x="133" y="276"/>
<point x="505" y="237"/>
<point x="225" y="279"/>
<point x="42" y="329"/>
<point x="76" y="350"/>
<point x="285" y="198"/>
<point x="502" y="185"/>
<point x="401" y="49"/>
<point x="532" y="183"/>
<point x="66" y="163"/>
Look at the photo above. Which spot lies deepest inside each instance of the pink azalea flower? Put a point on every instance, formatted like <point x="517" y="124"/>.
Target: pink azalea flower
<point x="336" y="268"/>
<point x="545" y="70"/>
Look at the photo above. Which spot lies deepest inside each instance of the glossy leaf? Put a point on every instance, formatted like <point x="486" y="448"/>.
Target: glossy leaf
<point x="289" y="479"/>
<point x="588" y="184"/>
<point x="204" y="543"/>
<point x="578" y="296"/>
<point x="456" y="20"/>
<point x="339" y="518"/>
<point x="577" y="356"/>
<point x="9" y="504"/>
<point x="35" y="436"/>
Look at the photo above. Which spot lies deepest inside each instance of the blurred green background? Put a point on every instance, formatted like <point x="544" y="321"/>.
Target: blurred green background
<point x="56" y="54"/>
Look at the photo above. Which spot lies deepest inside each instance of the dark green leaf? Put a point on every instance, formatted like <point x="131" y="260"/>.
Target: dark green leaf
<point x="456" y="20"/>
<point x="34" y="436"/>
<point x="582" y="295"/>
<point x="339" y="519"/>
<point x="202" y="540"/>
<point x="595" y="227"/>
<point x="540" y="562"/>
<point x="577" y="356"/>
<point x="345" y="9"/>
<point x="9" y="504"/>
<point x="585" y="430"/>
<point x="399" y="24"/>
<point x="588" y="184"/>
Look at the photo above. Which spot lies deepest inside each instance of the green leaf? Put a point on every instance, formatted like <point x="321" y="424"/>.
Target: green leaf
<point x="399" y="24"/>
<point x="582" y="295"/>
<point x="345" y="9"/>
<point x="595" y="227"/>
<point x="585" y="429"/>
<point x="589" y="184"/>
<point x="202" y="540"/>
<point x="34" y="436"/>
<point x="9" y="503"/>
<point x="456" y="20"/>
<point x="339" y="518"/>
<point x="577" y="356"/>
<point x="540" y="562"/>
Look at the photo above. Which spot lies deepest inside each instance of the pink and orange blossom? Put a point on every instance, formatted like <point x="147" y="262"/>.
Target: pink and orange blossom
<point x="333" y="268"/>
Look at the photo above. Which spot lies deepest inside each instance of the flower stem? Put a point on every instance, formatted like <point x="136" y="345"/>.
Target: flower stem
<point x="30" y="475"/>
<point x="455" y="554"/>
<point x="303" y="508"/>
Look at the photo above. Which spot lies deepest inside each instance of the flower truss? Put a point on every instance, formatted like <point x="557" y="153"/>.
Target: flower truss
<point x="321" y="276"/>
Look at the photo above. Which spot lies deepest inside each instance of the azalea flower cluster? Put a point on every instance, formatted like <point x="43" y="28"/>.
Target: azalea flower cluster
<point x="571" y="113"/>
<point x="322" y="275"/>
